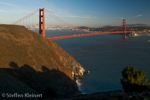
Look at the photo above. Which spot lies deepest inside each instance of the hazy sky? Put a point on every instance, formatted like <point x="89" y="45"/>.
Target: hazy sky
<point x="80" y="12"/>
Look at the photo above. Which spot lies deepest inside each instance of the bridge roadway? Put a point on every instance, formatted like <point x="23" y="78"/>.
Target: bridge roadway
<point x="88" y="34"/>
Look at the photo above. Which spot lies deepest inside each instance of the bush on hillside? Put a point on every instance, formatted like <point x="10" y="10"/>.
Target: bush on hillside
<point x="49" y="93"/>
<point x="134" y="80"/>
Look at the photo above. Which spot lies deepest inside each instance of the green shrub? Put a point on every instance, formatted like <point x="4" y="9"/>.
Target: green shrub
<point x="134" y="80"/>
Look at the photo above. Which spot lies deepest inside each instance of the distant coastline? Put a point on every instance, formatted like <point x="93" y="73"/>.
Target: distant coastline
<point x="141" y="33"/>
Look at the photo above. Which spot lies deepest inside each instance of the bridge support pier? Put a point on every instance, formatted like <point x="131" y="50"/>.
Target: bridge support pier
<point x="133" y="33"/>
<point x="124" y="27"/>
<point x="42" y="23"/>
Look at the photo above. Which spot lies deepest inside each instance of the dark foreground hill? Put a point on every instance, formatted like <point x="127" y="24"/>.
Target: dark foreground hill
<point x="29" y="63"/>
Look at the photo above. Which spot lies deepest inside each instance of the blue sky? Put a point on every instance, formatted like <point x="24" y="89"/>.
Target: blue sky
<point x="80" y="12"/>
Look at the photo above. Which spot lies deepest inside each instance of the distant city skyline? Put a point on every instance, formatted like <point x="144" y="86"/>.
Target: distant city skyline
<point x="80" y="12"/>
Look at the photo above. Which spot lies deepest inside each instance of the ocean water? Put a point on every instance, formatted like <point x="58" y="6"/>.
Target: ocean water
<point x="105" y="56"/>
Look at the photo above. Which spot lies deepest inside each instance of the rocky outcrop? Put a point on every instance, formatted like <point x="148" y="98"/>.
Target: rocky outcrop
<point x="37" y="62"/>
<point x="69" y="62"/>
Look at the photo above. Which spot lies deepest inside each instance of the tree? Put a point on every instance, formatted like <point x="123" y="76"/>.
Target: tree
<point x="134" y="80"/>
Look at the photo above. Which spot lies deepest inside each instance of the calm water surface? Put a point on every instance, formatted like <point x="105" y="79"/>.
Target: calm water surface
<point x="105" y="56"/>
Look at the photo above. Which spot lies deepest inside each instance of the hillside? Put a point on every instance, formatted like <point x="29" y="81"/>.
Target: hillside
<point x="30" y="60"/>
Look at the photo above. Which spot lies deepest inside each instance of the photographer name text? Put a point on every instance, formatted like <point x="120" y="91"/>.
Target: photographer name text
<point x="18" y="95"/>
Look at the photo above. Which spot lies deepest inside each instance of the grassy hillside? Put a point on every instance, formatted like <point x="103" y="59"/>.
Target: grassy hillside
<point x="37" y="62"/>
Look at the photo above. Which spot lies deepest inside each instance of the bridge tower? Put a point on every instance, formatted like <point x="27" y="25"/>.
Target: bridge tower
<point x="42" y="22"/>
<point x="124" y="27"/>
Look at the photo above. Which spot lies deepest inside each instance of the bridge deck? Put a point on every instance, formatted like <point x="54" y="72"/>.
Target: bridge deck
<point x="88" y="34"/>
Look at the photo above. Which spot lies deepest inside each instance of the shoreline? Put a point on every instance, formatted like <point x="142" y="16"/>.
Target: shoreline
<point x="141" y="34"/>
<point x="78" y="80"/>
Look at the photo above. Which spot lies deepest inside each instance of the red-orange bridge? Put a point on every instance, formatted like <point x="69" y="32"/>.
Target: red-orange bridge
<point x="42" y="26"/>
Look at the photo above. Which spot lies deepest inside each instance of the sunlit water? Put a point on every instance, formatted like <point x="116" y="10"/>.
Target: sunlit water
<point x="105" y="56"/>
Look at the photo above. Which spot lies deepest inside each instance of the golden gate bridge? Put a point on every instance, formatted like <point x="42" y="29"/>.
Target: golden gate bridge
<point x="41" y="23"/>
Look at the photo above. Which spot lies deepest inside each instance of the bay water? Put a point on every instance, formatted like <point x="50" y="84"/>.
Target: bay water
<point x="105" y="56"/>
